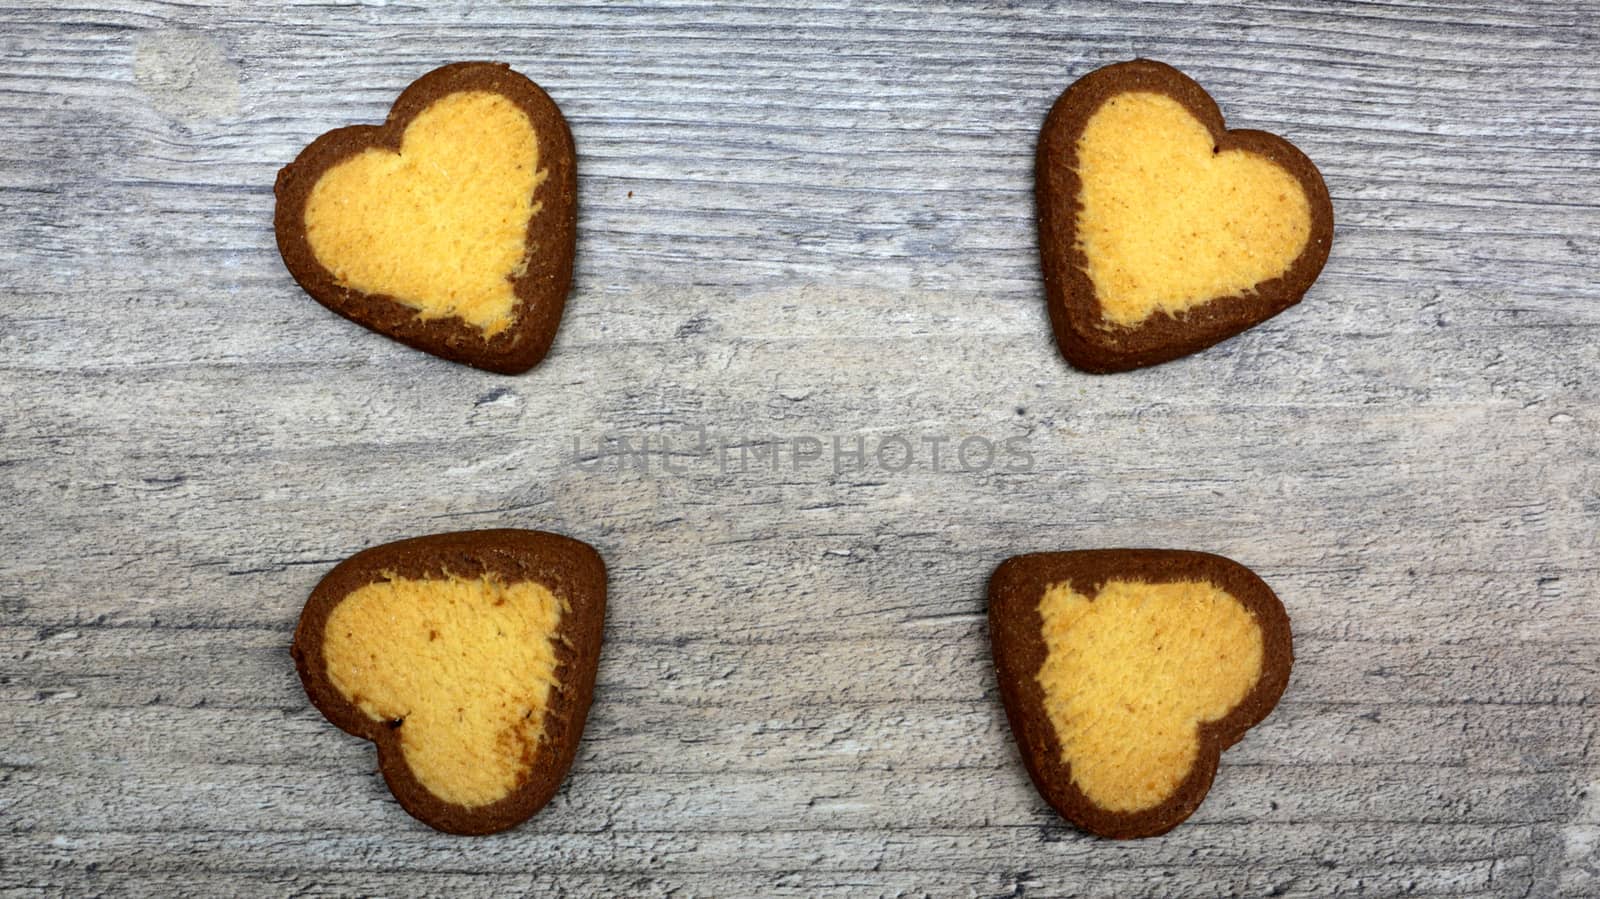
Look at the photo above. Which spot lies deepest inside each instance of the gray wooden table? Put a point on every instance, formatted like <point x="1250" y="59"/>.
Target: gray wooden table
<point x="801" y="223"/>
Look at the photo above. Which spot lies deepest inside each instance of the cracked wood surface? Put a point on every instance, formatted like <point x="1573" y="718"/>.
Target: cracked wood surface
<point x="801" y="223"/>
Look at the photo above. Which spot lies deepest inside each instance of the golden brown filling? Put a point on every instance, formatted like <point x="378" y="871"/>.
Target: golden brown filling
<point x="441" y="226"/>
<point x="1167" y="223"/>
<point x="1132" y="672"/>
<point x="465" y="666"/>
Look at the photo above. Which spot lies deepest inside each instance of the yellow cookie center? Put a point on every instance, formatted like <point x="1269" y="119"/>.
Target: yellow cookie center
<point x="465" y="666"/>
<point x="1167" y="223"/>
<point x="440" y="226"/>
<point x="1131" y="673"/>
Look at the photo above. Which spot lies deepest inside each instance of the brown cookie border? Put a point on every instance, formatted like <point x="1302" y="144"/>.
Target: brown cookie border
<point x="551" y="241"/>
<point x="1017" y="642"/>
<point x="569" y="568"/>
<point x="1086" y="340"/>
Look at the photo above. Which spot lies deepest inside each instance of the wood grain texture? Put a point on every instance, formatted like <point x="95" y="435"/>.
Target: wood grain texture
<point x="801" y="221"/>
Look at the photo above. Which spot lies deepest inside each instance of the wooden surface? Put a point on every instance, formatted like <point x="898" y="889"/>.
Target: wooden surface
<point x="801" y="222"/>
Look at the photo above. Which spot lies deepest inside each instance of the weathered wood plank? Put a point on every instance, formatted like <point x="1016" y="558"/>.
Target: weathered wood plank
<point x="801" y="221"/>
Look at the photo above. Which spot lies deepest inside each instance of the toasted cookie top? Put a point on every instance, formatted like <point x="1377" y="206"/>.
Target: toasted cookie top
<point x="1162" y="232"/>
<point x="461" y="668"/>
<point x="440" y="224"/>
<point x="468" y="658"/>
<point x="451" y="227"/>
<point x="1166" y="222"/>
<point x="1125" y="673"/>
<point x="1129" y="674"/>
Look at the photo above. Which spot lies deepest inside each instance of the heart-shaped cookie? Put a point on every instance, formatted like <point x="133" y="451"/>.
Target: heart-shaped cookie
<point x="1125" y="673"/>
<point x="451" y="227"/>
<point x="1160" y="231"/>
<point x="469" y="659"/>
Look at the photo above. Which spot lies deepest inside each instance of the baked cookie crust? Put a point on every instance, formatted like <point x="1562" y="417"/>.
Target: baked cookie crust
<point x="1086" y="339"/>
<point x="1016" y="634"/>
<point x="540" y="288"/>
<point x="569" y="569"/>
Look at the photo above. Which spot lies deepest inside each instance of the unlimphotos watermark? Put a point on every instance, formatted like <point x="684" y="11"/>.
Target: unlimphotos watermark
<point x="699" y="450"/>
